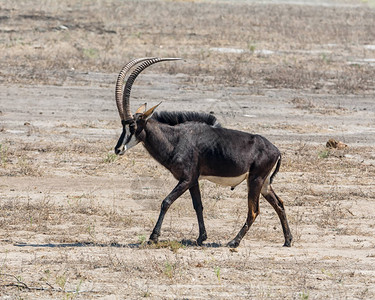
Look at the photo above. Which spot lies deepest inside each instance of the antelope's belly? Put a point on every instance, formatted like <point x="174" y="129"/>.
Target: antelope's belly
<point x="227" y="181"/>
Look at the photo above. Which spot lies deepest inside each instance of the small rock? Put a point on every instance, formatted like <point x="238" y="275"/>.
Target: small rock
<point x="334" y="144"/>
<point x="63" y="27"/>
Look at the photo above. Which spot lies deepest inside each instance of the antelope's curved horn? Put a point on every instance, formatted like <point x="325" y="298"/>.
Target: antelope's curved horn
<point x="119" y="85"/>
<point x="146" y="63"/>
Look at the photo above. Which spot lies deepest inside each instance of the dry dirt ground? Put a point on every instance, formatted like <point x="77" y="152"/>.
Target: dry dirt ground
<point x="74" y="218"/>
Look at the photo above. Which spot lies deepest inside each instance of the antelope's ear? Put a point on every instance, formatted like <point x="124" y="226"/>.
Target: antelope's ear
<point x="149" y="113"/>
<point x="141" y="109"/>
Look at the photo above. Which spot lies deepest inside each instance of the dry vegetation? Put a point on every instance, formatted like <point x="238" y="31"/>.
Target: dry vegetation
<point x="313" y="47"/>
<point x="74" y="218"/>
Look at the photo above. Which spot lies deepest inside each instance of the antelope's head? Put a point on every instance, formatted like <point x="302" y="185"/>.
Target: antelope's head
<point x="132" y="125"/>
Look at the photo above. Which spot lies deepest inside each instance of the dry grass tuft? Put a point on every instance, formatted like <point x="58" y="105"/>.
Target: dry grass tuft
<point x="274" y="50"/>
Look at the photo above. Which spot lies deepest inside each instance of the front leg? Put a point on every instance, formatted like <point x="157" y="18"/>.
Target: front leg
<point x="197" y="203"/>
<point x="180" y="188"/>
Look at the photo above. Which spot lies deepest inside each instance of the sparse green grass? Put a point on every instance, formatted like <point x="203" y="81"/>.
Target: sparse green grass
<point x="142" y="239"/>
<point x="91" y="53"/>
<point x="323" y="154"/>
<point x="217" y="271"/>
<point x="146" y="294"/>
<point x="110" y="158"/>
<point x="304" y="295"/>
<point x="169" y="269"/>
<point x="61" y="281"/>
<point x="91" y="230"/>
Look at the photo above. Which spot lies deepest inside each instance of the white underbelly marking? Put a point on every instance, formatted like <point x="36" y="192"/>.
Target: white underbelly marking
<point x="228" y="181"/>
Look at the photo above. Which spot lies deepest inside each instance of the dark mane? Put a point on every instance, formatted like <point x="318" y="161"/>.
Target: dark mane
<point x="177" y="117"/>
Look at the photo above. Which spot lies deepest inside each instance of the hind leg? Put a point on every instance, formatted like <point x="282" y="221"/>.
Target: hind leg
<point x="254" y="187"/>
<point x="278" y="205"/>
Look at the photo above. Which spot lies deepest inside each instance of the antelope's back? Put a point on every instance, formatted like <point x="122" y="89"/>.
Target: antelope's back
<point x="174" y="118"/>
<point x="230" y="152"/>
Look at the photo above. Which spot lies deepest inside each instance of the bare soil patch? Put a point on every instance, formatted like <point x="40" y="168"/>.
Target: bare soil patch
<point x="74" y="218"/>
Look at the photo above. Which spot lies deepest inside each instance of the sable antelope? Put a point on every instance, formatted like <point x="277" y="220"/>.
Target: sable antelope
<point x="193" y="146"/>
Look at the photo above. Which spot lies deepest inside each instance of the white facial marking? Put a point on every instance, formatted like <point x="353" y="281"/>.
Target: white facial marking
<point x="133" y="141"/>
<point x="128" y="142"/>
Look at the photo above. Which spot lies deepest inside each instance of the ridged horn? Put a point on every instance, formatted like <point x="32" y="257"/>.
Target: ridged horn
<point x="120" y="83"/>
<point x="129" y="83"/>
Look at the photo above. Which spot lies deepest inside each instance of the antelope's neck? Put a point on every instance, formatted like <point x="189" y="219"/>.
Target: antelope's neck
<point x="159" y="141"/>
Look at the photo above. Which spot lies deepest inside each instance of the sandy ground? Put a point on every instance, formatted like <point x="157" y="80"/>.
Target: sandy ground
<point x="74" y="218"/>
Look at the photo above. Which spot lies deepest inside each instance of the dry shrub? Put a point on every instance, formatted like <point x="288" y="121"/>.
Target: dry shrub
<point x="332" y="215"/>
<point x="102" y="40"/>
<point x="40" y="215"/>
<point x="354" y="79"/>
<point x="27" y="216"/>
<point x="293" y="77"/>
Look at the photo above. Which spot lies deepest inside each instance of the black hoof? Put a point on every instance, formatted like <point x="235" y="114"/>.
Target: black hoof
<point x="288" y="242"/>
<point x="201" y="239"/>
<point x="153" y="239"/>
<point x="233" y="244"/>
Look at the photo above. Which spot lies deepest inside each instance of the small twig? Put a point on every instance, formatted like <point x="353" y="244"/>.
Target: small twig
<point x="349" y="211"/>
<point x="50" y="285"/>
<point x="22" y="285"/>
<point x="19" y="282"/>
